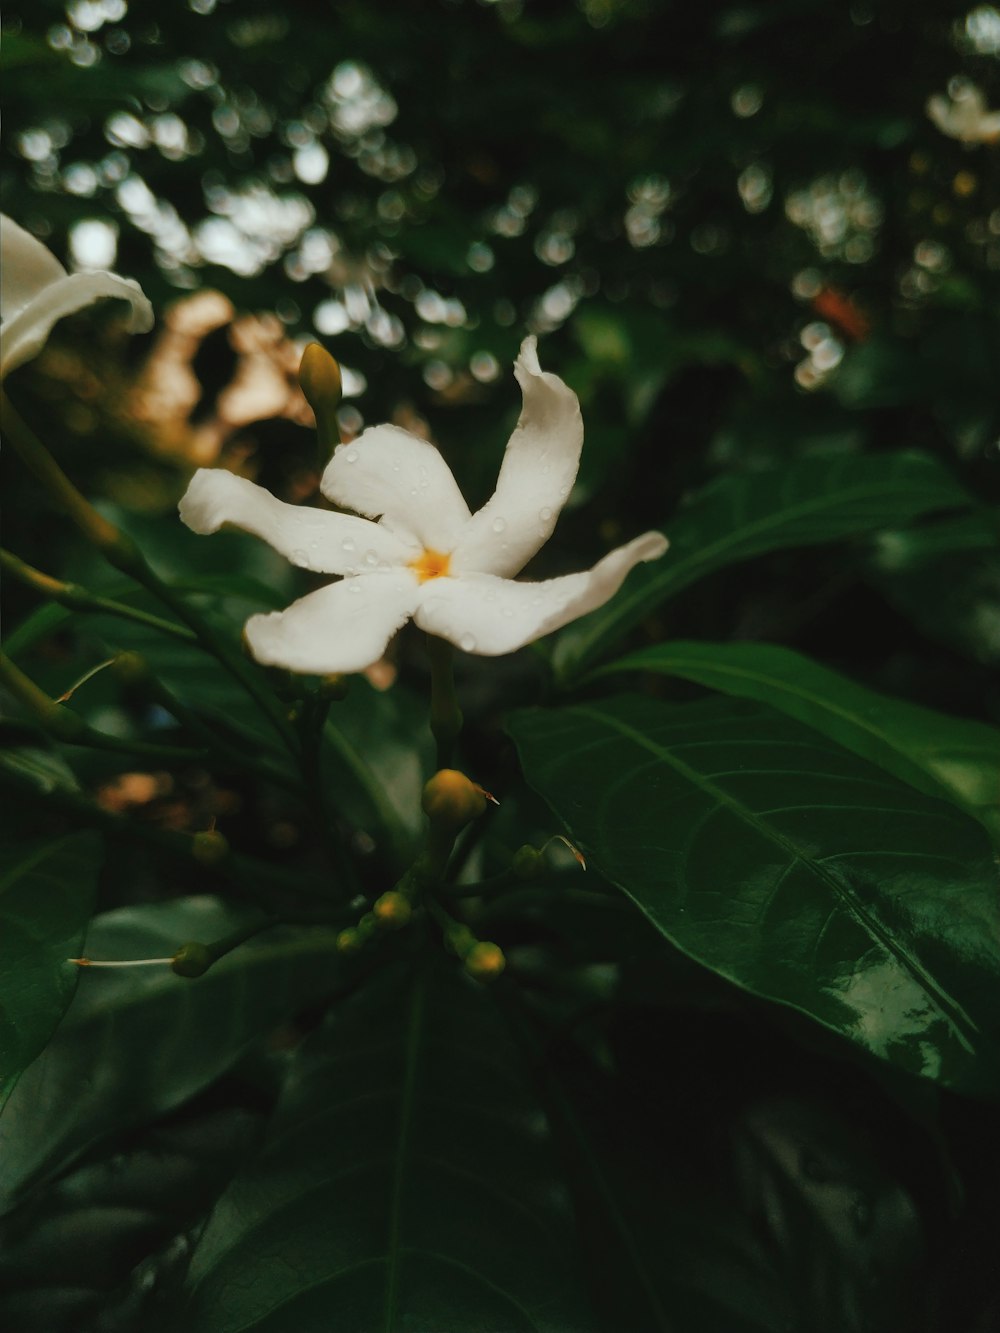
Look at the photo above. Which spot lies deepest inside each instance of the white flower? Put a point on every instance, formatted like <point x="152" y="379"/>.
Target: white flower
<point x="36" y="292"/>
<point x="964" y="115"/>
<point x="427" y="557"/>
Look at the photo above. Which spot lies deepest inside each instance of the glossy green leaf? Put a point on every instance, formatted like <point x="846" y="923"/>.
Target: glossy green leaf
<point x="47" y="889"/>
<point x="791" y="867"/>
<point x="945" y="578"/>
<point x="139" y="1041"/>
<point x="944" y="756"/>
<point x="761" y="1213"/>
<point x="381" y="753"/>
<point x="89" y="1244"/>
<point x="405" y="1184"/>
<point x="807" y="503"/>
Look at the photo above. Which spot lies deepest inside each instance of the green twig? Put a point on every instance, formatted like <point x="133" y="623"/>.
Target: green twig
<point x="76" y="598"/>
<point x="63" y="725"/>
<point x="254" y="879"/>
<point x="122" y="552"/>
<point x="446" y="715"/>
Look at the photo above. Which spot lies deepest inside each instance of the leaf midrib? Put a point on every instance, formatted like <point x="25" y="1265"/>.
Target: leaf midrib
<point x="953" y="1014"/>
<point x="407" y="1099"/>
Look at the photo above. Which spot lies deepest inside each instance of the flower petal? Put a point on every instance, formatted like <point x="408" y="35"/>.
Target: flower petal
<point x="37" y="292"/>
<point x="537" y="474"/>
<point x="343" y="627"/>
<point x="488" y="615"/>
<point x="389" y="472"/>
<point x="309" y="538"/>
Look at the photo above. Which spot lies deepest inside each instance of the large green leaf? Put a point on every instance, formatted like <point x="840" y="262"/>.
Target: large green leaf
<point x="790" y="866"/>
<point x="778" y="1211"/>
<point x="47" y="889"/>
<point x="138" y="1041"/>
<point x="89" y="1245"/>
<point x="810" y="502"/>
<point x="944" y="756"/>
<point x="405" y="1184"/>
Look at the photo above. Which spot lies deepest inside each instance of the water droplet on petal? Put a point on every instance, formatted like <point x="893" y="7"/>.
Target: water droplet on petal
<point x="467" y="643"/>
<point x="348" y="544"/>
<point x="499" y="524"/>
<point x="545" y="514"/>
<point x="354" y="586"/>
<point x="299" y="557"/>
<point x="371" y="558"/>
<point x="351" y="456"/>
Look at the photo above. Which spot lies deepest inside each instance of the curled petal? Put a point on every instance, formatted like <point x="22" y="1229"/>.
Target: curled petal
<point x="309" y="538"/>
<point x="390" y="473"/>
<point x="343" y="627"/>
<point x="37" y="292"/>
<point x="537" y="474"/>
<point x="488" y="615"/>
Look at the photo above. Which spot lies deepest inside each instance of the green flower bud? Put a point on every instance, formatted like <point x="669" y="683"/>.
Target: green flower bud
<point x="451" y="801"/>
<point x="192" y="960"/>
<point x="485" y="961"/>
<point x="209" y="848"/>
<point x="334" y="687"/>
<point x="527" y="862"/>
<point x="350" y="940"/>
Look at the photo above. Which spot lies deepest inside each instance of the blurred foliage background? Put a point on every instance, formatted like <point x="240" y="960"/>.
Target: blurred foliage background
<point x="741" y="234"/>
<point x="745" y="243"/>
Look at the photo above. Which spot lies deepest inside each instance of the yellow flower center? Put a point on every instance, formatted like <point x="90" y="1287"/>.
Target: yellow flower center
<point x="431" y="565"/>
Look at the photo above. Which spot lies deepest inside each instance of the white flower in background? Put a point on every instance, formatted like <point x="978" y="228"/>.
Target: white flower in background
<point x="427" y="557"/>
<point x="964" y="116"/>
<point x="36" y="292"/>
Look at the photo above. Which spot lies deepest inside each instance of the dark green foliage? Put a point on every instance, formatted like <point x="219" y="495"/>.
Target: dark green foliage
<point x="741" y="1074"/>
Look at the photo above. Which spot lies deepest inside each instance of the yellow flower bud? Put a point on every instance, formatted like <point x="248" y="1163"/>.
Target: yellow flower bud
<point x="451" y="800"/>
<point x="319" y="376"/>
<point x="392" y="911"/>
<point x="485" y="961"/>
<point x="350" y="940"/>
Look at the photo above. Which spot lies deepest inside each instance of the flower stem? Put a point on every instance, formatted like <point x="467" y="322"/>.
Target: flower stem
<point x="262" y="883"/>
<point x="446" y="715"/>
<point x="122" y="552"/>
<point x="75" y="598"/>
<point x="63" y="725"/>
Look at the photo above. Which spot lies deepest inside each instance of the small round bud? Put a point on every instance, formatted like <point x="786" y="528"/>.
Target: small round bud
<point x="131" y="668"/>
<point x="319" y="376"/>
<point x="485" y="961"/>
<point x="527" y="862"/>
<point x="451" y="800"/>
<point x="350" y="940"/>
<point x="209" y="848"/>
<point x="392" y="911"/>
<point x="333" y="687"/>
<point x="192" y="960"/>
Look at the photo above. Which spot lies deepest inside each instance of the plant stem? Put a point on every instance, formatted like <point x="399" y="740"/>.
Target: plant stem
<point x="68" y="727"/>
<point x="446" y="715"/>
<point x="74" y="597"/>
<point x="255" y="879"/>
<point x="122" y="552"/>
